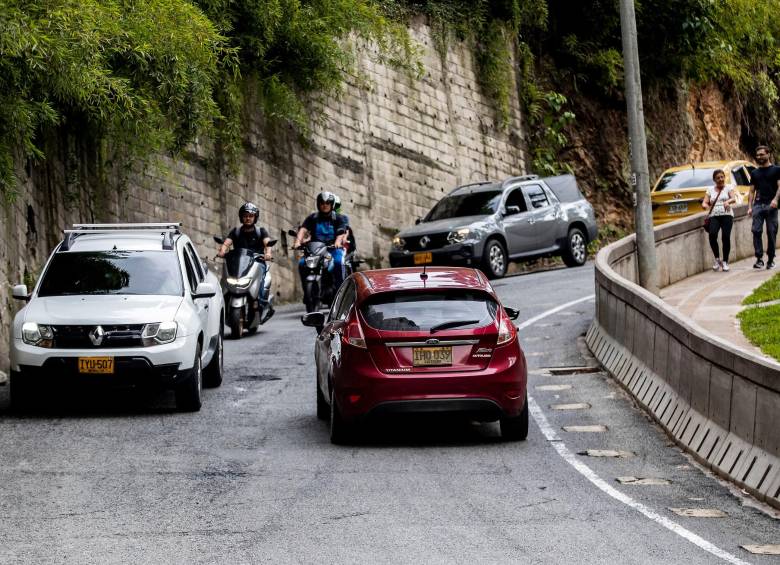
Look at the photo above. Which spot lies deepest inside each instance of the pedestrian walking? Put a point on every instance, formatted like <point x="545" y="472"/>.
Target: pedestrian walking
<point x="762" y="206"/>
<point x="720" y="198"/>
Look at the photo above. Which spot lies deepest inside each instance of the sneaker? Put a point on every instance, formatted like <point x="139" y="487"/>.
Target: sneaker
<point x="725" y="266"/>
<point x="759" y="264"/>
<point x="716" y="265"/>
<point x="770" y="265"/>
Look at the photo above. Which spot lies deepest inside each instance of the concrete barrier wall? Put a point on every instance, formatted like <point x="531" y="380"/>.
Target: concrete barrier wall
<point x="718" y="402"/>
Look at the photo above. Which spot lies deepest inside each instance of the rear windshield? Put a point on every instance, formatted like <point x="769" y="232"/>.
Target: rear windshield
<point x="112" y="272"/>
<point x="689" y="178"/>
<point x="422" y="311"/>
<point x="480" y="203"/>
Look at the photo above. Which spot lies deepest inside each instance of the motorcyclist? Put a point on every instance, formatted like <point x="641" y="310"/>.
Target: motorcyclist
<point x="350" y="232"/>
<point x="328" y="227"/>
<point x="249" y="236"/>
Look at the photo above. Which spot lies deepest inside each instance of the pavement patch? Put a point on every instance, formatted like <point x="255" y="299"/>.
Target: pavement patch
<point x="767" y="549"/>
<point x="699" y="512"/>
<point x="553" y="387"/>
<point x="646" y="481"/>
<point x="574" y="406"/>
<point x="585" y="429"/>
<point x="606" y="453"/>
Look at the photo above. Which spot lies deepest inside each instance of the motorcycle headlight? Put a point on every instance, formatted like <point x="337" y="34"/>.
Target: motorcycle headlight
<point x="37" y="334"/>
<point x="164" y="332"/>
<point x="311" y="262"/>
<point x="459" y="236"/>
<point x="244" y="281"/>
<point x="399" y="242"/>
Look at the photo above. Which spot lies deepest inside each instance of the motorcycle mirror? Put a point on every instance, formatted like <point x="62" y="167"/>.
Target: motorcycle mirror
<point x="313" y="319"/>
<point x="219" y="240"/>
<point x="292" y="233"/>
<point x="272" y="242"/>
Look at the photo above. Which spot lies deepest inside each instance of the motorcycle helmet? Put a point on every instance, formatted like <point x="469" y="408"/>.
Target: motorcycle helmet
<point x="326" y="197"/>
<point x="249" y="208"/>
<point x="337" y="205"/>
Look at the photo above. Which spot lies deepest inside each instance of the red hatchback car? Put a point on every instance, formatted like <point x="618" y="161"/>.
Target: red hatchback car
<point x="408" y="341"/>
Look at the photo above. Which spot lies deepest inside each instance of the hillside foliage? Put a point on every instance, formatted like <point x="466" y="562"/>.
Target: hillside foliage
<point x="156" y="75"/>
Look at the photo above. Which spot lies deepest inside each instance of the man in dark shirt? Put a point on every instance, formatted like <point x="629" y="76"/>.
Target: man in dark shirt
<point x="762" y="205"/>
<point x="248" y="235"/>
<point x="328" y="227"/>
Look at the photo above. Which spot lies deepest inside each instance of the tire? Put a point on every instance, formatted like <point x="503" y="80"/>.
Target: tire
<point x="340" y="431"/>
<point x="212" y="374"/>
<point x="252" y="331"/>
<point x="20" y="391"/>
<point x="188" y="393"/>
<point x="311" y="296"/>
<point x="516" y="428"/>
<point x="323" y="410"/>
<point x="575" y="252"/>
<point x="494" y="259"/>
<point x="235" y="323"/>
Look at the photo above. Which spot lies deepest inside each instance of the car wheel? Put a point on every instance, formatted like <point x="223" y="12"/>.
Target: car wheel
<point x="516" y="428"/>
<point x="212" y="374"/>
<point x="236" y="323"/>
<point x="323" y="410"/>
<point x="252" y="331"/>
<point x="340" y="432"/>
<point x="21" y="395"/>
<point x="494" y="259"/>
<point x="188" y="393"/>
<point x="311" y="296"/>
<point x="576" y="252"/>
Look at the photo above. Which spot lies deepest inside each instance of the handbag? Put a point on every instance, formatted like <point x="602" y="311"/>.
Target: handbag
<point x="706" y="225"/>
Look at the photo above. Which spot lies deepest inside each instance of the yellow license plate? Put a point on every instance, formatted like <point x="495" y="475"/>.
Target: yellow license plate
<point x="678" y="208"/>
<point x="431" y="356"/>
<point x="423" y="258"/>
<point x="94" y="365"/>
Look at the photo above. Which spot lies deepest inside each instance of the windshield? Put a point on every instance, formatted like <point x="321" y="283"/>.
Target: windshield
<point x="480" y="203"/>
<point x="421" y="311"/>
<point x="689" y="178"/>
<point x="239" y="261"/>
<point x="113" y="272"/>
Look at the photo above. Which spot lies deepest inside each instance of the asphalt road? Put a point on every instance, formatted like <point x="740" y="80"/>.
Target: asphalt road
<point x="253" y="478"/>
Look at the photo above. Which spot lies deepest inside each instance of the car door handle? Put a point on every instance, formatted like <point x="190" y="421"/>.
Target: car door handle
<point x="531" y="221"/>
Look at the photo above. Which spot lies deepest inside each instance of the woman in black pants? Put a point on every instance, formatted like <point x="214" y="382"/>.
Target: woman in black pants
<point x="720" y="198"/>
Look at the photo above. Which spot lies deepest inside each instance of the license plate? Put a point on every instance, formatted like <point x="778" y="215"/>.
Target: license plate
<point x="423" y="258"/>
<point x="94" y="365"/>
<point x="678" y="208"/>
<point x="431" y="356"/>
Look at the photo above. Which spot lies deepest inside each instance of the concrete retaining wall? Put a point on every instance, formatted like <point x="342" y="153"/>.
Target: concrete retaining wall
<point x="718" y="402"/>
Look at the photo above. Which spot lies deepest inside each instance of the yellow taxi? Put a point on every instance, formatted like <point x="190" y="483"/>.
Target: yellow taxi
<point x="679" y="191"/>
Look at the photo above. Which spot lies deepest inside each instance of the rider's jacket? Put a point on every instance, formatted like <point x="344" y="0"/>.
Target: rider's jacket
<point x="325" y="227"/>
<point x="249" y="239"/>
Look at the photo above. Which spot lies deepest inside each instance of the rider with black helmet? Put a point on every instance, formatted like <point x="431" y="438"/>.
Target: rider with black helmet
<point x="248" y="235"/>
<point x="328" y="227"/>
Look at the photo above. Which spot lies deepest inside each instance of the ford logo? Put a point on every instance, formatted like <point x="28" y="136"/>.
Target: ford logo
<point x="424" y="241"/>
<point x="432" y="341"/>
<point x="96" y="336"/>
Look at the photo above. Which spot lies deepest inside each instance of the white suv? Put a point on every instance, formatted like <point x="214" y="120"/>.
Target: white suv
<point x="120" y="304"/>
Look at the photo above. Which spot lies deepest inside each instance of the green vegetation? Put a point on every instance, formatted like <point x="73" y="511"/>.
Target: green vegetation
<point x="769" y="290"/>
<point x="761" y="325"/>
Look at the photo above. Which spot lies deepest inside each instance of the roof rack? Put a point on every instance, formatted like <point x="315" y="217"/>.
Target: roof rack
<point x="522" y="178"/>
<point x="478" y="183"/>
<point x="166" y="229"/>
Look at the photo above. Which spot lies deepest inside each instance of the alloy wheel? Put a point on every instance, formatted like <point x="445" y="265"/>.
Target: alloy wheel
<point x="578" y="249"/>
<point x="496" y="259"/>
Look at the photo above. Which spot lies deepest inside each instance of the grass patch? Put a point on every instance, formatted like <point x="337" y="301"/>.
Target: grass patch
<point x="761" y="325"/>
<point x="769" y="290"/>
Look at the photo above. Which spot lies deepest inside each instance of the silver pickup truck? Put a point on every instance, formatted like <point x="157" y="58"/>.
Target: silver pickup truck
<point x="488" y="224"/>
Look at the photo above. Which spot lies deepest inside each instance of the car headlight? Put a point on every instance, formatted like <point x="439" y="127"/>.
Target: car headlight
<point x="164" y="332"/>
<point x="399" y="242"/>
<point x="37" y="334"/>
<point x="459" y="236"/>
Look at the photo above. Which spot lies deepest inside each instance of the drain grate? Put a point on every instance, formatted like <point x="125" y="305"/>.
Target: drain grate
<point x="260" y="377"/>
<point x="572" y="370"/>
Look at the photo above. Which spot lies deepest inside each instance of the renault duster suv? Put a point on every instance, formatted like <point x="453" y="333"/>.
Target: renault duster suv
<point x="120" y="304"/>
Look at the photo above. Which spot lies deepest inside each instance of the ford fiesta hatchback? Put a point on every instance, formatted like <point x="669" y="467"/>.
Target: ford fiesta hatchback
<point x="414" y="341"/>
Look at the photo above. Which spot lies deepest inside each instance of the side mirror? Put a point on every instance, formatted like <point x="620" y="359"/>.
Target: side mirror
<point x="313" y="319"/>
<point x="417" y="221"/>
<point x="20" y="292"/>
<point x="512" y="313"/>
<point x="219" y="240"/>
<point x="204" y="290"/>
<point x="272" y="242"/>
<point x="292" y="233"/>
<point x="512" y="210"/>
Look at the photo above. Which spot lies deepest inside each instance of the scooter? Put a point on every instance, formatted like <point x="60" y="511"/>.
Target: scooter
<point x="246" y="283"/>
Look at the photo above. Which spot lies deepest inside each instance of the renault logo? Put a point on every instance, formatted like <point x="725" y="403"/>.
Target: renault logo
<point x="424" y="241"/>
<point x="677" y="196"/>
<point x="96" y="336"/>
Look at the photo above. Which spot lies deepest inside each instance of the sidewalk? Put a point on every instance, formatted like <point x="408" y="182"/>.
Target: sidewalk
<point x="713" y="299"/>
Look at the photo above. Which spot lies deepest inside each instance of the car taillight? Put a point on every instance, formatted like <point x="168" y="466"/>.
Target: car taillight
<point x="353" y="335"/>
<point x="506" y="329"/>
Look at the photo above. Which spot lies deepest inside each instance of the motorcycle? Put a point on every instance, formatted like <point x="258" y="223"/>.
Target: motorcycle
<point x="246" y="283"/>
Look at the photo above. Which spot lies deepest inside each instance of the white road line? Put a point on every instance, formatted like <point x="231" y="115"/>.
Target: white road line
<point x="552" y="436"/>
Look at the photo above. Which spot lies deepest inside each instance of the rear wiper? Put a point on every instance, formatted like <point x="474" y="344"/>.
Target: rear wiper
<point x="453" y="324"/>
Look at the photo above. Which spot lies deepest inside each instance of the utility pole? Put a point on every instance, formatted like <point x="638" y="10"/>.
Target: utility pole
<point x="640" y="175"/>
